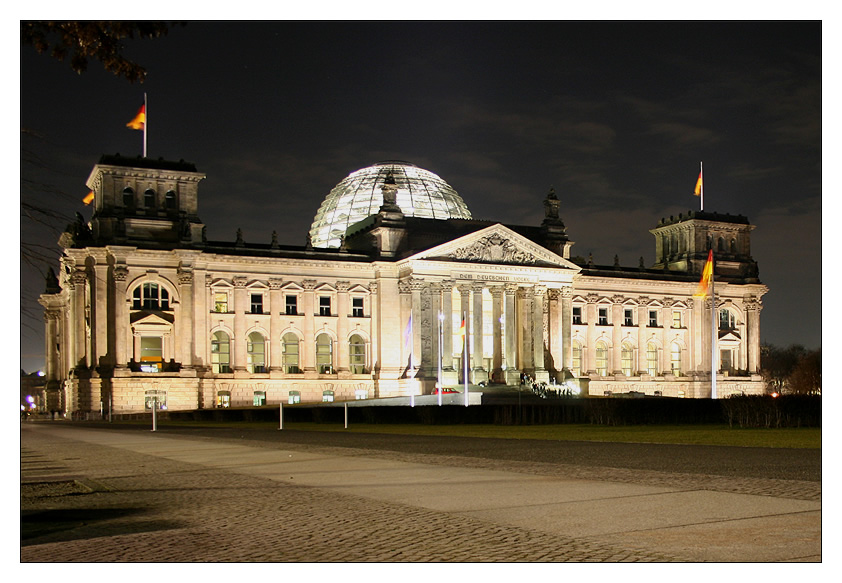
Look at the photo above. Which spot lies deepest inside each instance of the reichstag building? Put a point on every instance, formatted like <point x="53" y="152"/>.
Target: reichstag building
<point x="394" y="279"/>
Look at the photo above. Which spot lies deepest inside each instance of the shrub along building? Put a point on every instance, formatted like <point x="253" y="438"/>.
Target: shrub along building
<point x="393" y="270"/>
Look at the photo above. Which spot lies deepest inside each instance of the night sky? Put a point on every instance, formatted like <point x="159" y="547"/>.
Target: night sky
<point x="615" y="116"/>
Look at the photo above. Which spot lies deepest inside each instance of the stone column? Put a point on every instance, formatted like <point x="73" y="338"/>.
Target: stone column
<point x="566" y="327"/>
<point x="122" y="326"/>
<point x="477" y="337"/>
<point x="435" y="309"/>
<point x="405" y="303"/>
<point x="465" y="309"/>
<point x="186" y="341"/>
<point x="100" y="306"/>
<point x="416" y="286"/>
<point x="538" y="355"/>
<point x="642" y="336"/>
<point x="78" y="327"/>
<point x="497" y="328"/>
<point x="343" y="311"/>
<point x="553" y="334"/>
<point x="447" y="329"/>
<point x="307" y="356"/>
<point x="238" y="344"/>
<point x="512" y="370"/>
<point x="276" y="306"/>
<point x="589" y="356"/>
<point x="525" y="337"/>
<point x="753" y="307"/>
<point x="616" y="334"/>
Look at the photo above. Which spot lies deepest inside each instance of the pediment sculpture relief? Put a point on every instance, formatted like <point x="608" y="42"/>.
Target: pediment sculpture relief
<point x="494" y="249"/>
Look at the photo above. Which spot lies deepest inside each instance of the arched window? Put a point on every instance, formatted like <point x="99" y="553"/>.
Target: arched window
<point x="576" y="364"/>
<point x="149" y="198"/>
<point x="652" y="359"/>
<point x="324" y="354"/>
<point x="150" y="296"/>
<point x="128" y="197"/>
<point x="290" y="357"/>
<point x="169" y="200"/>
<point x="356" y="351"/>
<point x="601" y="359"/>
<point x="727" y="321"/>
<point x="220" y="352"/>
<point x="734" y="246"/>
<point x="627" y="358"/>
<point x="675" y="359"/>
<point x="256" y="352"/>
<point x="721" y="245"/>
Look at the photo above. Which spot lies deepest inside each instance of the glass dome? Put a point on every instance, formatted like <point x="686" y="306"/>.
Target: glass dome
<point x="420" y="194"/>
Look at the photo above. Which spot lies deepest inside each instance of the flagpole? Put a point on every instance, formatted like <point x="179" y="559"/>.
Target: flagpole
<point x="145" y="122"/>
<point x="713" y="334"/>
<point x="702" y="197"/>
<point x="441" y="343"/>
<point x="465" y="355"/>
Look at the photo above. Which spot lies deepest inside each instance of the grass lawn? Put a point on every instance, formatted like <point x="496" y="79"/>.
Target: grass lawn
<point x="809" y="437"/>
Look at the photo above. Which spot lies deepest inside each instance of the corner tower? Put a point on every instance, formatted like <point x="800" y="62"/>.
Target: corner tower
<point x="682" y="244"/>
<point x="144" y="202"/>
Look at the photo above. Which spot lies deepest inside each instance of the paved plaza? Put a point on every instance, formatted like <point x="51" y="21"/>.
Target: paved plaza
<point x="108" y="495"/>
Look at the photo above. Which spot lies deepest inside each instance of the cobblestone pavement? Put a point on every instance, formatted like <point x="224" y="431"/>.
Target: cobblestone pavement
<point x="94" y="503"/>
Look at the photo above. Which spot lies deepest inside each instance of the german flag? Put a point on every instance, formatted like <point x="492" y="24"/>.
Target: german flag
<point x="698" y="190"/>
<point x="139" y="121"/>
<point x="89" y="199"/>
<point x="707" y="278"/>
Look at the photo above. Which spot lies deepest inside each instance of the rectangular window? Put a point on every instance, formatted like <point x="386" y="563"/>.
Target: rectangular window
<point x="220" y="302"/>
<point x="256" y="303"/>
<point x="324" y="305"/>
<point x="259" y="398"/>
<point x="151" y="353"/>
<point x="603" y="316"/>
<point x="357" y="308"/>
<point x="294" y="397"/>
<point x="577" y="315"/>
<point x="327" y="396"/>
<point x="628" y="317"/>
<point x="292" y="305"/>
<point x="360" y="394"/>
<point x="223" y="399"/>
<point x="653" y="318"/>
<point x="676" y="319"/>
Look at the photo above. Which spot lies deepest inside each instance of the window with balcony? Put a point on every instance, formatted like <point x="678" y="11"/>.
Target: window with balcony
<point x="324" y="354"/>
<point x="652" y="359"/>
<point x="675" y="359"/>
<point x="627" y="359"/>
<point x="256" y="352"/>
<point x="601" y="359"/>
<point x="220" y="352"/>
<point x="356" y="349"/>
<point x="290" y="355"/>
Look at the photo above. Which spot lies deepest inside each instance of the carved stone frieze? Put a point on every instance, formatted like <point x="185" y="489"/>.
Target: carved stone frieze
<point x="496" y="249"/>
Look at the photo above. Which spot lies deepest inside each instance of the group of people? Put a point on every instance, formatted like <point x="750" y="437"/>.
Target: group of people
<point x="546" y="390"/>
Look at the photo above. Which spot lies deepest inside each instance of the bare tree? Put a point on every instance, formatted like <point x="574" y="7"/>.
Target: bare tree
<point x="97" y="40"/>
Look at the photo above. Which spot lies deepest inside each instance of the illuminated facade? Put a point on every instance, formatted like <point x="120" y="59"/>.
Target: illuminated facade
<point x="144" y="301"/>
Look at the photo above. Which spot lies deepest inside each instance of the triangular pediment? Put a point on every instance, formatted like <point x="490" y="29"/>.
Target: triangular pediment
<point x="151" y="319"/>
<point x="498" y="245"/>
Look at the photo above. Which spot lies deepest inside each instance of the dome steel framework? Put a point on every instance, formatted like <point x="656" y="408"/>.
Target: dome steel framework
<point x="420" y="194"/>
